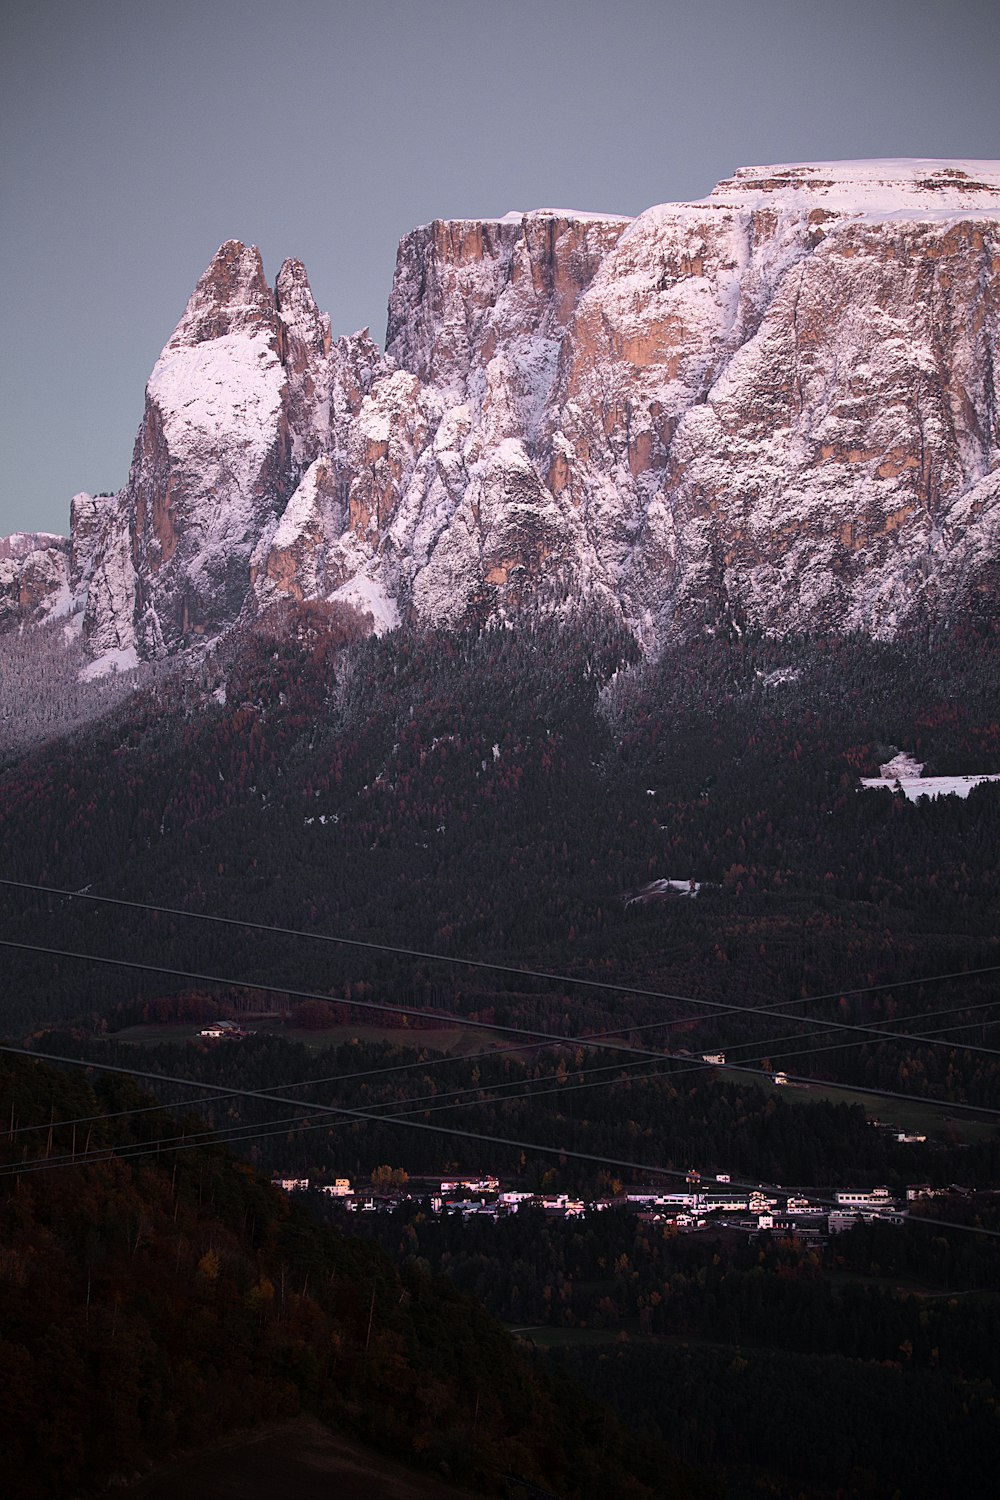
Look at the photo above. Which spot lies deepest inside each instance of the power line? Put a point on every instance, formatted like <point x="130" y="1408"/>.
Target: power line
<point x="542" y="1037"/>
<point x="423" y="1103"/>
<point x="349" y="1113"/>
<point x="556" y="1039"/>
<point x="903" y="1036"/>
<point x="368" y="1115"/>
<point x="432" y="1062"/>
<point x="560" y="1151"/>
<point x="546" y="1036"/>
<point x="842" y="1046"/>
<point x="420" y="1104"/>
<point x="438" y="1101"/>
<point x="271" y="989"/>
<point x="473" y="963"/>
<point x="396" y="1009"/>
<point x="580" y="1039"/>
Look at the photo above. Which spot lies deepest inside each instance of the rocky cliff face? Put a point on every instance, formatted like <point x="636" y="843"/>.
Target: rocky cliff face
<point x="781" y="400"/>
<point x="34" y="578"/>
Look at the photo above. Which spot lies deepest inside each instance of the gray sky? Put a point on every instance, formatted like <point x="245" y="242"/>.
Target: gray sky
<point x="137" y="135"/>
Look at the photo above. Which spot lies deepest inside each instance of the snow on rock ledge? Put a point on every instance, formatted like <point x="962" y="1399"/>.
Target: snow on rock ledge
<point x="888" y="187"/>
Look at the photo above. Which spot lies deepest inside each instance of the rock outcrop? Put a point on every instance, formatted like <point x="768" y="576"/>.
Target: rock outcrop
<point x="34" y="578"/>
<point x="781" y="401"/>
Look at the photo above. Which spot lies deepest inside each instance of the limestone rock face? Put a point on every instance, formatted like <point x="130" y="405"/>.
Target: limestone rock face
<point x="779" y="402"/>
<point x="300" y="552"/>
<point x="827" y="473"/>
<point x="482" y="314"/>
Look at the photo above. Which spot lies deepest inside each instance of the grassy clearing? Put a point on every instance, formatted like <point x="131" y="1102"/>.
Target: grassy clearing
<point x="459" y="1040"/>
<point x="150" y="1036"/>
<point x="911" y="1115"/>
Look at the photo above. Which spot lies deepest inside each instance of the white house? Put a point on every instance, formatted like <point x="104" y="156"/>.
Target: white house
<point x="875" y="1199"/>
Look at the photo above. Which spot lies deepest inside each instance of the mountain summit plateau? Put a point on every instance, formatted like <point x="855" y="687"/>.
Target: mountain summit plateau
<point x="781" y="401"/>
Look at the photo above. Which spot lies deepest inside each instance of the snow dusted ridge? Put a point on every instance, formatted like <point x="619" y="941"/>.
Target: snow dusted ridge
<point x="779" y="401"/>
<point x="898" y="187"/>
<point x="21" y="544"/>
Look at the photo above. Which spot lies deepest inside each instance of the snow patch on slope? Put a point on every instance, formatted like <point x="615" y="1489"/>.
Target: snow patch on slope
<point x="371" y="598"/>
<point x="110" y="663"/>
<point x="915" y="787"/>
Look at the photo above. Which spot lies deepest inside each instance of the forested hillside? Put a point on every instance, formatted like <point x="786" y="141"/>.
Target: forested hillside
<point x="156" y="1303"/>
<point x="500" y="796"/>
<point x="844" y="1369"/>
<point x="573" y="841"/>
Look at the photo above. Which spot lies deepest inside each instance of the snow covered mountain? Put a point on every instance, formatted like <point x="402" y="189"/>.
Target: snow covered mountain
<point x="782" y="400"/>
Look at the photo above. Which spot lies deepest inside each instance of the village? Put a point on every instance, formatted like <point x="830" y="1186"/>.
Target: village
<point x="701" y="1205"/>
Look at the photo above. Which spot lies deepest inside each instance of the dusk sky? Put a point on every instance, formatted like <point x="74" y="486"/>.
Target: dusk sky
<point x="137" y="136"/>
